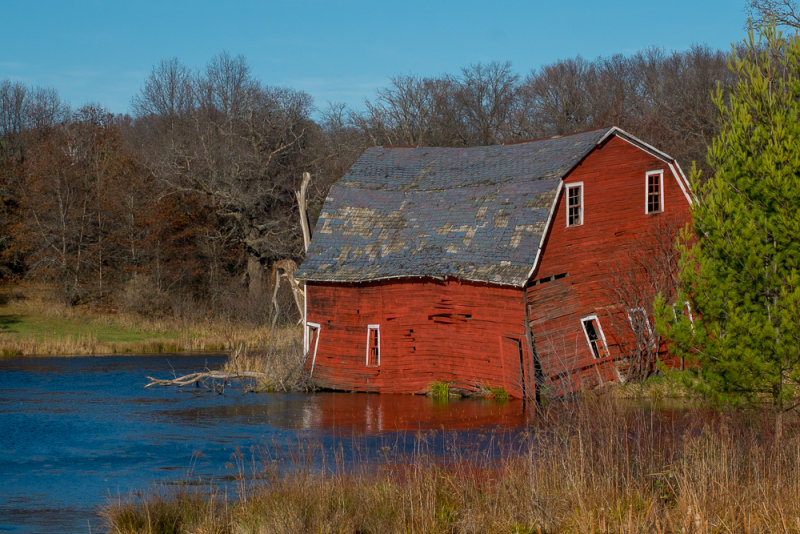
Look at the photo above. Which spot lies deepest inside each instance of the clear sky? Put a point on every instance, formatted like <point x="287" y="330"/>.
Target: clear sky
<point x="101" y="51"/>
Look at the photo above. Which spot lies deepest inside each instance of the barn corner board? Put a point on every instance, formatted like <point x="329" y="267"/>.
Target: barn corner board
<point x="487" y="266"/>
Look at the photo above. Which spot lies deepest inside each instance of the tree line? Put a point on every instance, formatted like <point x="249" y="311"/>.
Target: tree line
<point x="182" y="207"/>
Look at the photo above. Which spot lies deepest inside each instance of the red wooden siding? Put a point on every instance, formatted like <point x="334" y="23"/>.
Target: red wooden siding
<point x="614" y="228"/>
<point x="469" y="335"/>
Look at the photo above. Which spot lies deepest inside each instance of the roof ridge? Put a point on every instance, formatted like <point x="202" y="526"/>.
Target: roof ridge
<point x="559" y="136"/>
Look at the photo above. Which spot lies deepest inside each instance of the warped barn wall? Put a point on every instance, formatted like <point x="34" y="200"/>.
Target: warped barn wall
<point x="467" y="334"/>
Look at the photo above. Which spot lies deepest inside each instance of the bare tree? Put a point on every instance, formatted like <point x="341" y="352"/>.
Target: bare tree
<point x="167" y="92"/>
<point x="783" y="12"/>
<point x="27" y="116"/>
<point x="677" y="113"/>
<point x="555" y="100"/>
<point x="651" y="269"/>
<point x="13" y="96"/>
<point x="242" y="146"/>
<point x="344" y="141"/>
<point x="413" y="111"/>
<point x="486" y="95"/>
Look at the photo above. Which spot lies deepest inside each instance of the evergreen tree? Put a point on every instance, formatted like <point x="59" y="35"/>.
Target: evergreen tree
<point x="740" y="265"/>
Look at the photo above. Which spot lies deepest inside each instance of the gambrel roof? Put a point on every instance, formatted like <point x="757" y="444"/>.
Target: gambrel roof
<point x="476" y="214"/>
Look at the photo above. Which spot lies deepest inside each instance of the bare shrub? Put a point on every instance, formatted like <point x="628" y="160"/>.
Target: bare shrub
<point x="142" y="296"/>
<point x="282" y="369"/>
<point x="650" y="269"/>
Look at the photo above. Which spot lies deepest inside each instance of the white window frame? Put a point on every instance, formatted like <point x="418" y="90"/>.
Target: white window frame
<point x="660" y="174"/>
<point x="687" y="310"/>
<point x="641" y="310"/>
<point x="600" y="331"/>
<point x="582" y="207"/>
<point x="307" y="343"/>
<point x="377" y="329"/>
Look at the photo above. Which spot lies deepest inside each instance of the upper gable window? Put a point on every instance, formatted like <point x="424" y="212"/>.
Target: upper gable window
<point x="575" y="204"/>
<point x="654" y="193"/>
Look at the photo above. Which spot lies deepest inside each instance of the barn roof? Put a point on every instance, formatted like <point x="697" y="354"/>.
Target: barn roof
<point x="476" y="214"/>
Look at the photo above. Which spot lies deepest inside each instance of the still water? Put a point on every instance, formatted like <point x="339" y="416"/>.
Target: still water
<point x="77" y="432"/>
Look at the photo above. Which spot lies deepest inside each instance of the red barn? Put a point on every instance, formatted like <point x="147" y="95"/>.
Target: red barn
<point x="486" y="266"/>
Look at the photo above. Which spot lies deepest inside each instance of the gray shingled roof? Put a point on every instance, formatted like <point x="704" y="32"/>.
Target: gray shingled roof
<point x="475" y="214"/>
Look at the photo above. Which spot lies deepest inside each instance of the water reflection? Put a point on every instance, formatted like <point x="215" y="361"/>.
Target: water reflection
<point x="350" y="413"/>
<point x="371" y="414"/>
<point x="78" y="431"/>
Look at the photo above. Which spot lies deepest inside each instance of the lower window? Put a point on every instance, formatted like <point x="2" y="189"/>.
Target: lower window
<point x="595" y="336"/>
<point x="373" y="345"/>
<point x="312" y="340"/>
<point x="640" y="325"/>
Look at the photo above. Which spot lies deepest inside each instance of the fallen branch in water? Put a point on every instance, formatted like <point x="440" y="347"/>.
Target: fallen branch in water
<point x="197" y="378"/>
<point x="258" y="370"/>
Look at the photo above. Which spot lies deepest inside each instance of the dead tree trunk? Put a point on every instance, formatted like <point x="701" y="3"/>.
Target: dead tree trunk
<point x="284" y="270"/>
<point x="255" y="277"/>
<point x="303" y="209"/>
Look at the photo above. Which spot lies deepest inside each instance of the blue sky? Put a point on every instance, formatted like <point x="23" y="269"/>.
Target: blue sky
<point x="94" y="51"/>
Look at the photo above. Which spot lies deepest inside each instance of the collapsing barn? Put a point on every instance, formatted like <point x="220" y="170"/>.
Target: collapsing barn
<point x="484" y="266"/>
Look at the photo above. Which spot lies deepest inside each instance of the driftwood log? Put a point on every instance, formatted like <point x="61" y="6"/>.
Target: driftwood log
<point x="284" y="270"/>
<point x="283" y="371"/>
<point x="210" y="380"/>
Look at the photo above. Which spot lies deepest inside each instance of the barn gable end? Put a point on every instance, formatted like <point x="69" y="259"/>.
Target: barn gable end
<point x="586" y="270"/>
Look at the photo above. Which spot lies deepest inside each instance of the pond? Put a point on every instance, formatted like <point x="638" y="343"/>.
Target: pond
<point x="77" y="432"/>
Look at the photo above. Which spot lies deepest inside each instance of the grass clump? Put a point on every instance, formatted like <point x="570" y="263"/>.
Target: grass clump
<point x="498" y="393"/>
<point x="593" y="465"/>
<point x="440" y="391"/>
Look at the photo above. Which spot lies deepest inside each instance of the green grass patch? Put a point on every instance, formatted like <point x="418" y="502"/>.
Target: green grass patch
<point x="440" y="391"/>
<point x="499" y="393"/>
<point x="41" y="327"/>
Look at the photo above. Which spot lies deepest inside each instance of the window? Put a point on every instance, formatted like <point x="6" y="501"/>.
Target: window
<point x="575" y="204"/>
<point x="654" y="201"/>
<point x="640" y="325"/>
<point x="312" y="340"/>
<point x="687" y="311"/>
<point x="594" y="336"/>
<point x="373" y="345"/>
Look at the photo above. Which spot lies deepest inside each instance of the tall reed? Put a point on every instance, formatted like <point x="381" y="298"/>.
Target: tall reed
<point x="594" y="465"/>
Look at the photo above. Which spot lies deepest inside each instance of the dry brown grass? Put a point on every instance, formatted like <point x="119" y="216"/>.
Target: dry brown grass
<point x="595" y="465"/>
<point x="279" y="358"/>
<point x="31" y="323"/>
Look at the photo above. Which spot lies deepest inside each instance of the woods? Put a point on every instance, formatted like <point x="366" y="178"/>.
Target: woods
<point x="182" y="208"/>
